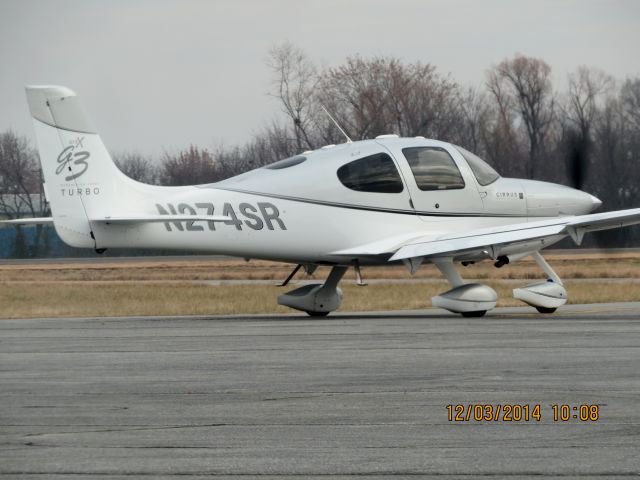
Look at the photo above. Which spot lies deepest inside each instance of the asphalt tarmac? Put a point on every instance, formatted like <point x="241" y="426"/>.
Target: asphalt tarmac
<point x="348" y="395"/>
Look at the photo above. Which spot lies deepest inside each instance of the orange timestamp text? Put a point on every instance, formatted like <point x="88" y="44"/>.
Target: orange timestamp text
<point x="513" y="412"/>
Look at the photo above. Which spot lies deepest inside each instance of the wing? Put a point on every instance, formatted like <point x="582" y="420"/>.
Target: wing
<point x="514" y="238"/>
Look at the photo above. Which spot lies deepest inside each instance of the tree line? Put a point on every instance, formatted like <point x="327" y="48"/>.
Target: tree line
<point x="584" y="133"/>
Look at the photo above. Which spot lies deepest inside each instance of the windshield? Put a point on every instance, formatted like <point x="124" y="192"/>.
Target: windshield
<point x="484" y="173"/>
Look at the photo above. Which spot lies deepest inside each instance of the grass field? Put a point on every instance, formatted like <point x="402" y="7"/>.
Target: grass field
<point x="171" y="287"/>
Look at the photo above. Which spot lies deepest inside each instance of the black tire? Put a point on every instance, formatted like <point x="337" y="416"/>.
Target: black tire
<point x="546" y="309"/>
<point x="317" y="314"/>
<point x="477" y="313"/>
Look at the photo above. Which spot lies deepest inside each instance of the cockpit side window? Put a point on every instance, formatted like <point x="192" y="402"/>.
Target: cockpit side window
<point x="481" y="169"/>
<point x="375" y="173"/>
<point x="433" y="168"/>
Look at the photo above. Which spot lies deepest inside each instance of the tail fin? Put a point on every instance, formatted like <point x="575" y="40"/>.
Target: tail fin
<point x="81" y="180"/>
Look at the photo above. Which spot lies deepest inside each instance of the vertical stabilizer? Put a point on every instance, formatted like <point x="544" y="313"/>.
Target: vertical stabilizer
<point x="80" y="177"/>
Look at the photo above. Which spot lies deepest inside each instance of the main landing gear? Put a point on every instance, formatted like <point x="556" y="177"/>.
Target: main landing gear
<point x="468" y="299"/>
<point x="317" y="299"/>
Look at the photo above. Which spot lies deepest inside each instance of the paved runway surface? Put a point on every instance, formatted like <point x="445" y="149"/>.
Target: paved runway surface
<point x="348" y="395"/>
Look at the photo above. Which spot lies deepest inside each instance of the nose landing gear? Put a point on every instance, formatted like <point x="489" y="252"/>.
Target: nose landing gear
<point x="547" y="296"/>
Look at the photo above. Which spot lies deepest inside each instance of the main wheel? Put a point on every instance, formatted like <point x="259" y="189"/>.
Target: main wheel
<point x="317" y="314"/>
<point x="477" y="313"/>
<point x="546" y="309"/>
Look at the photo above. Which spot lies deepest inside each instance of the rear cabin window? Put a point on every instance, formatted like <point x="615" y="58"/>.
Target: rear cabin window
<point x="375" y="173"/>
<point x="433" y="168"/>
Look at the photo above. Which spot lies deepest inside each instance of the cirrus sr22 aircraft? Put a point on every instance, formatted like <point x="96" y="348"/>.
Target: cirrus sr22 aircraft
<point x="371" y="202"/>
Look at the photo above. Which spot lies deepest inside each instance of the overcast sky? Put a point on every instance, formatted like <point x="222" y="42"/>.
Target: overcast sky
<point x="157" y="75"/>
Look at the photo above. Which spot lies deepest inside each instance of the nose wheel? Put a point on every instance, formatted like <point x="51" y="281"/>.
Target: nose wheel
<point x="546" y="309"/>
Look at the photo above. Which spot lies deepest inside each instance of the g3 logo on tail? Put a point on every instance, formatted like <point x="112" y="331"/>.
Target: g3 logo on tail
<point x="79" y="159"/>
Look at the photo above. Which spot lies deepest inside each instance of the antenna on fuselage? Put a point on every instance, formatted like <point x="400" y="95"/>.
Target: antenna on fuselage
<point x="335" y="122"/>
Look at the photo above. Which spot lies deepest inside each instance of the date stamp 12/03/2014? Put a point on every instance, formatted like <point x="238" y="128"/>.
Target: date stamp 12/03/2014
<point x="511" y="412"/>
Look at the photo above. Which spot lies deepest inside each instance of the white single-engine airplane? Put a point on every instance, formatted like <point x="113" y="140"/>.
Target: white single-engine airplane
<point x="369" y="202"/>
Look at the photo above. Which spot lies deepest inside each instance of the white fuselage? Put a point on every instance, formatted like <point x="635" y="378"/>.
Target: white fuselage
<point x="303" y="213"/>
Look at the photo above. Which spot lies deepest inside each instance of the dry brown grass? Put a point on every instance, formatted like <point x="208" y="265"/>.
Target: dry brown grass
<point x="167" y="287"/>
<point x="112" y="299"/>
<point x="54" y="299"/>
<point x="589" y="265"/>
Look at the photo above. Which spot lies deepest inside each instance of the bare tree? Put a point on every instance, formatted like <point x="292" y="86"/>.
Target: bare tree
<point x="295" y="78"/>
<point x="630" y="99"/>
<point x="587" y="87"/>
<point x="137" y="166"/>
<point x="499" y="136"/>
<point x="189" y="167"/>
<point x="616" y="165"/>
<point x="421" y="101"/>
<point x="383" y="95"/>
<point x="630" y="112"/>
<point x="20" y="181"/>
<point x="609" y="134"/>
<point x="355" y="96"/>
<point x="21" y="191"/>
<point x="522" y="84"/>
<point x="475" y="112"/>
<point x="269" y="145"/>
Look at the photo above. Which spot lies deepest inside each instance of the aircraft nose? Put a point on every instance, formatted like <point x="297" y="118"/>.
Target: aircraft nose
<point x="595" y="202"/>
<point x="550" y="199"/>
<point x="585" y="202"/>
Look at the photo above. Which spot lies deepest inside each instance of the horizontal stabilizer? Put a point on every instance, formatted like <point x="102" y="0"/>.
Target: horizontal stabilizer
<point x="29" y="221"/>
<point x="126" y="219"/>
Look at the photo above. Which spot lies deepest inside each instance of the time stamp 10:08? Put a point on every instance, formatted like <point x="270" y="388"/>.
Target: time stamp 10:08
<point x="521" y="413"/>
